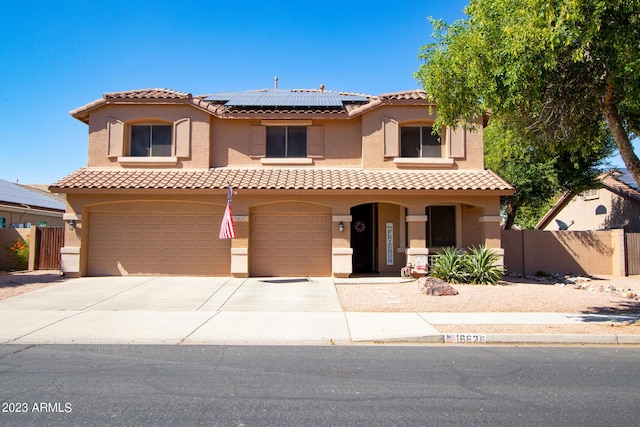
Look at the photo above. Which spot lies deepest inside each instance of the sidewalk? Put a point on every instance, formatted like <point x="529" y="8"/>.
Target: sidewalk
<point x="278" y="311"/>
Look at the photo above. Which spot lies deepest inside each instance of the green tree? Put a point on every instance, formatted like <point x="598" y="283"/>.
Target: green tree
<point x="560" y="72"/>
<point x="537" y="172"/>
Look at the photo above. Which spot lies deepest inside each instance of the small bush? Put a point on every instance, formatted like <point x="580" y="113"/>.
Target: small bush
<point x="453" y="265"/>
<point x="450" y="266"/>
<point x="18" y="252"/>
<point x="482" y="266"/>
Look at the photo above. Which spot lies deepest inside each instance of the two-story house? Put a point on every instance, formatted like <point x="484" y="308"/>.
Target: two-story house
<point x="325" y="183"/>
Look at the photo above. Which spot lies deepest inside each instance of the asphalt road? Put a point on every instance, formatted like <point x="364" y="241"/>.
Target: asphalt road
<point x="314" y="386"/>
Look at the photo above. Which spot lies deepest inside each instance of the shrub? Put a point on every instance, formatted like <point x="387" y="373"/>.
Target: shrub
<point x="483" y="270"/>
<point x="453" y="265"/>
<point x="18" y="252"/>
<point x="450" y="266"/>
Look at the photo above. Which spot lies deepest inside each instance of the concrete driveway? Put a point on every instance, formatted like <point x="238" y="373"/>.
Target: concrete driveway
<point x="190" y="310"/>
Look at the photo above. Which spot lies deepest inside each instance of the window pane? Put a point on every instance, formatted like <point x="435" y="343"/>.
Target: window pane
<point x="441" y="226"/>
<point x="297" y="141"/>
<point x="275" y="141"/>
<point x="140" y="141"/>
<point x="161" y="140"/>
<point x="430" y="143"/>
<point x="410" y="141"/>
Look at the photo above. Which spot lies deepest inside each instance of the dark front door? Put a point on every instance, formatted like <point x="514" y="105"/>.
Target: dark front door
<point x="363" y="227"/>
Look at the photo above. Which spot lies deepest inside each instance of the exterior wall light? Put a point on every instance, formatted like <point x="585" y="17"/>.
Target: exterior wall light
<point x="72" y="224"/>
<point x="341" y="226"/>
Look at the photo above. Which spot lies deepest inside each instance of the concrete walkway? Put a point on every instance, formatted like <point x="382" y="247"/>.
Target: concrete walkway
<point x="211" y="310"/>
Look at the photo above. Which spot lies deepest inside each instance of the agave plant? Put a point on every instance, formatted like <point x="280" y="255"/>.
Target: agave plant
<point x="482" y="268"/>
<point x="450" y="265"/>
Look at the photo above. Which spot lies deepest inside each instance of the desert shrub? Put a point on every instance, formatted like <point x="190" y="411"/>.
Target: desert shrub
<point x="450" y="266"/>
<point x="453" y="265"/>
<point x="482" y="268"/>
<point x="18" y="252"/>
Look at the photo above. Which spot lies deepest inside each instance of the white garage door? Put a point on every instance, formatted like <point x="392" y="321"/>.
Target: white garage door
<point x="294" y="244"/>
<point x="153" y="244"/>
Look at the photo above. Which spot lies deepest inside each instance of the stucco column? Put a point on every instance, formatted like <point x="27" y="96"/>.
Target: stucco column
<point x="240" y="247"/>
<point x="417" y="251"/>
<point x="491" y="231"/>
<point x="70" y="252"/>
<point x="341" y="251"/>
<point x="618" y="261"/>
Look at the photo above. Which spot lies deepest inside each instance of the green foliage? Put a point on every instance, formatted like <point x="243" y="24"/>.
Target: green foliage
<point x="453" y="265"/>
<point x="564" y="74"/>
<point x="18" y="253"/>
<point x="482" y="268"/>
<point x="450" y="266"/>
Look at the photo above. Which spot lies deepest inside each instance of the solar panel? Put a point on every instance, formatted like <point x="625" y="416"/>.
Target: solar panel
<point x="14" y="193"/>
<point x="285" y="98"/>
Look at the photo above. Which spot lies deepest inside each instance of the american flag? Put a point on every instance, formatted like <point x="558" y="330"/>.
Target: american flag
<point x="228" y="228"/>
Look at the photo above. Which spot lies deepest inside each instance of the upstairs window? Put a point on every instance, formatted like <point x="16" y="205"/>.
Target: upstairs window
<point x="418" y="141"/>
<point x="286" y="141"/>
<point x="151" y="140"/>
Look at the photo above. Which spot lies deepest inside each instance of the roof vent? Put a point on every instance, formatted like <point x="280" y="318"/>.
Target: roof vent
<point x="275" y="82"/>
<point x="321" y="88"/>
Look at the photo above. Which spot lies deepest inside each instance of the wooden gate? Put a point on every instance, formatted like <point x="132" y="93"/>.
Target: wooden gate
<point x="632" y="243"/>
<point x="49" y="241"/>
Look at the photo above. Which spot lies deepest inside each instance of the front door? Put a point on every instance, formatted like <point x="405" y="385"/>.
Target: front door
<point x="363" y="235"/>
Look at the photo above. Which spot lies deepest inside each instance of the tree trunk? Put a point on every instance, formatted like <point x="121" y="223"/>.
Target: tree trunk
<point x="620" y="136"/>
<point x="510" y="209"/>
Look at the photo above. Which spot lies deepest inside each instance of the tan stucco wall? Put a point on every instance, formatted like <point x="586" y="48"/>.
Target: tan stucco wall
<point x="98" y="131"/>
<point x="230" y="143"/>
<point x="373" y="136"/>
<point x="580" y="213"/>
<point x="577" y="252"/>
<point x="391" y="206"/>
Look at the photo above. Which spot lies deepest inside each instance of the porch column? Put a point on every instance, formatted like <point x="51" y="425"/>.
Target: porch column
<point x="240" y="247"/>
<point x="490" y="225"/>
<point x="341" y="251"/>
<point x="417" y="250"/>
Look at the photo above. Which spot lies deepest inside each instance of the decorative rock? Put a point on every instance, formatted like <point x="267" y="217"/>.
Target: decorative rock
<point x="436" y="287"/>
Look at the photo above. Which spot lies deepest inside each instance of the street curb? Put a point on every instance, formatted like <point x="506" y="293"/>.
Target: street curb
<point x="481" y="339"/>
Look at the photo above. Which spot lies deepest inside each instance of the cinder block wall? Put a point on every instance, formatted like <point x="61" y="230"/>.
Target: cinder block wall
<point x="576" y="252"/>
<point x="7" y="237"/>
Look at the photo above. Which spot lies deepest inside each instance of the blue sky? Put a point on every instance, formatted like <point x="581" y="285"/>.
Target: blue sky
<point x="57" y="56"/>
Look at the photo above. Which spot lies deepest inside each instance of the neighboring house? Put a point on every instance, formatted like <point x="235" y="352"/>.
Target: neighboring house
<point x="327" y="183"/>
<point x="22" y="206"/>
<point x="614" y="204"/>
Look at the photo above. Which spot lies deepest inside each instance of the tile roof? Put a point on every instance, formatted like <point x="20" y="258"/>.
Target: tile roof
<point x="283" y="178"/>
<point x="148" y="94"/>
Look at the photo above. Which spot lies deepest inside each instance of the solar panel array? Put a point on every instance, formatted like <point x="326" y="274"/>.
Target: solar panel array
<point x="13" y="193"/>
<point x="285" y="98"/>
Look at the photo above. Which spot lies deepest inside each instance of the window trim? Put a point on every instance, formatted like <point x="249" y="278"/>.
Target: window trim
<point x="286" y="142"/>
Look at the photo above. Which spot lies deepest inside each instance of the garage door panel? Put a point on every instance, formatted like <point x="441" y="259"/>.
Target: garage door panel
<point x="285" y="244"/>
<point x="151" y="244"/>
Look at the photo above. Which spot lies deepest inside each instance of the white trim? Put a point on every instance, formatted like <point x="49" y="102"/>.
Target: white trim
<point x="239" y="251"/>
<point x="71" y="216"/>
<point x="286" y="161"/>
<point x="423" y="161"/>
<point x="168" y="160"/>
<point x="417" y="218"/>
<point x="343" y="218"/>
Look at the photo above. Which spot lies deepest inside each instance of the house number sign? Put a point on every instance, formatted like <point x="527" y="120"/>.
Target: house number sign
<point x="389" y="243"/>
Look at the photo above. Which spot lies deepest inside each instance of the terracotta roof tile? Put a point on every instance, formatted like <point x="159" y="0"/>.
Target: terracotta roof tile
<point x="148" y="94"/>
<point x="282" y="178"/>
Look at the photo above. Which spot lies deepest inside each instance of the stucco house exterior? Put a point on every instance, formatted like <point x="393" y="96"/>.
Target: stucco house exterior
<point x="614" y="204"/>
<point x="325" y="183"/>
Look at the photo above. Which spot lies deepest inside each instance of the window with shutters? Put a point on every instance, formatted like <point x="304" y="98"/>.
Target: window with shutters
<point x="151" y="140"/>
<point x="286" y="141"/>
<point x="419" y="141"/>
